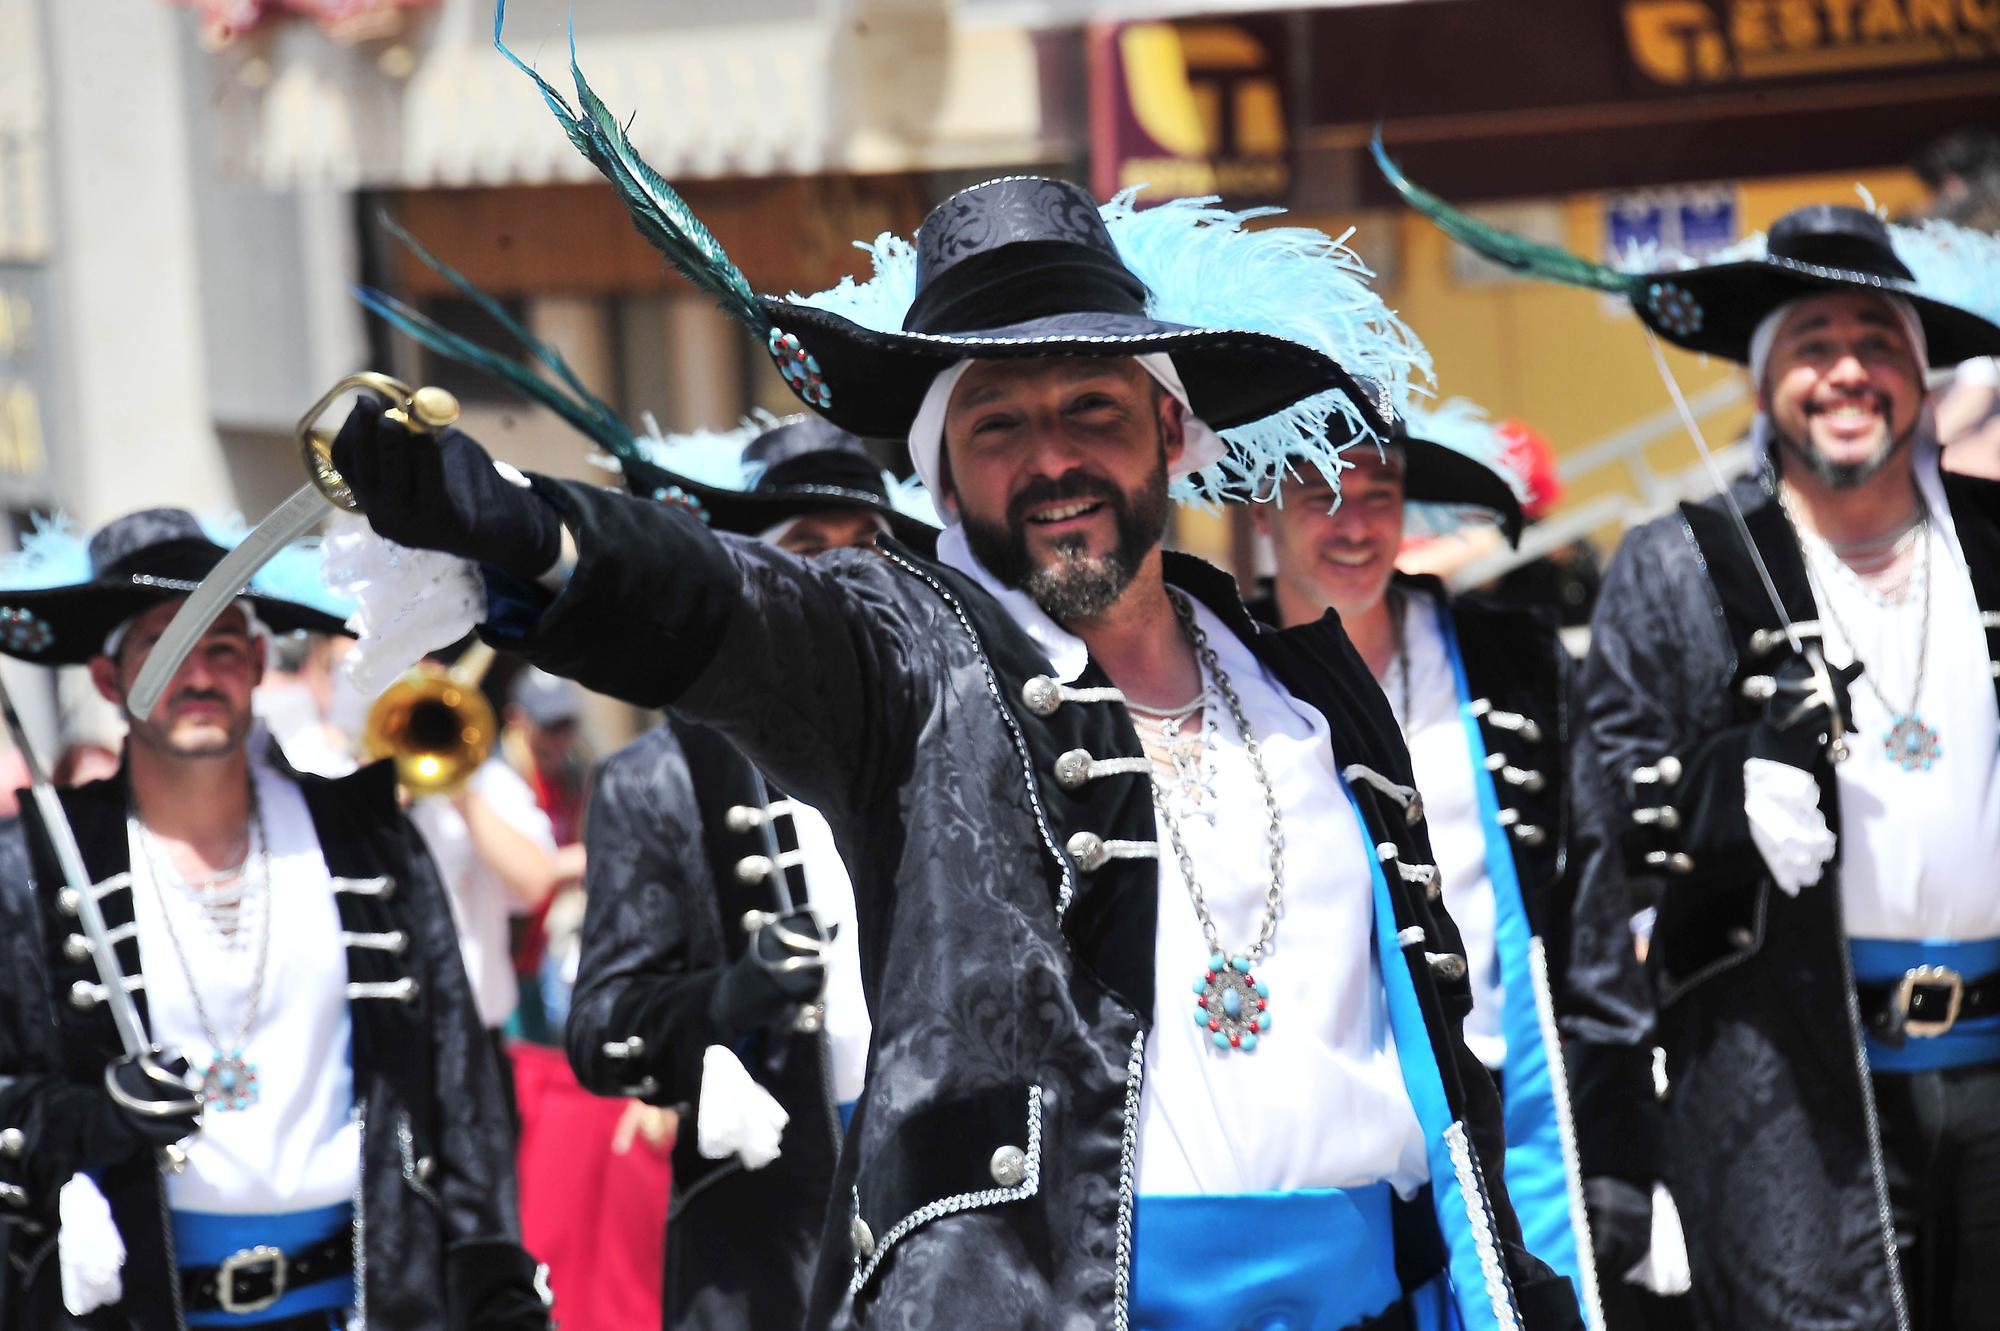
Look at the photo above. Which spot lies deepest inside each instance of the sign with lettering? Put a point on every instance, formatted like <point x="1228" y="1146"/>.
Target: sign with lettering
<point x="1190" y="108"/>
<point x="1684" y="43"/>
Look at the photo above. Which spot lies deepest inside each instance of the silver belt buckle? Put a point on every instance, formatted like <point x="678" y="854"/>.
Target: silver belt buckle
<point x="225" y="1278"/>
<point x="1906" y="993"/>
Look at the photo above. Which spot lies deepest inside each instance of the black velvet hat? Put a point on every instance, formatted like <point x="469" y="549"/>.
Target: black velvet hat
<point x="803" y="464"/>
<point x="1025" y="267"/>
<point x="132" y="563"/>
<point x="1435" y="473"/>
<point x="1809" y="251"/>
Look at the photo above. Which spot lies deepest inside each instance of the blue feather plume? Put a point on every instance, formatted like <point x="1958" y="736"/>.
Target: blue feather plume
<point x="1463" y="426"/>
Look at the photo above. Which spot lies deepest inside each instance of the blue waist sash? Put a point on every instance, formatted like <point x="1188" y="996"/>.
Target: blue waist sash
<point x="1317" y="1260"/>
<point x="1886" y="961"/>
<point x="204" y="1239"/>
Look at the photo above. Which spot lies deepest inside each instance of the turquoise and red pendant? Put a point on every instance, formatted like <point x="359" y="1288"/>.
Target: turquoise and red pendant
<point x="1912" y="745"/>
<point x="1232" y="1004"/>
<point x="230" y="1083"/>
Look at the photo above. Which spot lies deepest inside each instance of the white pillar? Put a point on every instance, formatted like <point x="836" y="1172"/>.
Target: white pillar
<point x="137" y="429"/>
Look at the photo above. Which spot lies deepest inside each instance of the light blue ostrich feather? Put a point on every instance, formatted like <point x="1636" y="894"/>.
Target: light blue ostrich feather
<point x="1203" y="268"/>
<point x="912" y="498"/>
<point x="56" y="553"/>
<point x="707" y="457"/>
<point x="1952" y="263"/>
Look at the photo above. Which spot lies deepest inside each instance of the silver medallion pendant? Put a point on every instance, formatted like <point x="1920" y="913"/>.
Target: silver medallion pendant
<point x="1912" y="745"/>
<point x="230" y="1083"/>
<point x="1231" y="1004"/>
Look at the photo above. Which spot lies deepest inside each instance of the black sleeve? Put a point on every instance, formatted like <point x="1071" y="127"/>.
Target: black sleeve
<point x="813" y="668"/>
<point x="645" y="975"/>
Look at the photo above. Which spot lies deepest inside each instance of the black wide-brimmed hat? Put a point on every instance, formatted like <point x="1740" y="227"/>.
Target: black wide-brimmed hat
<point x="1024" y="267"/>
<point x="1437" y="473"/>
<point x="60" y="599"/>
<point x="1810" y="251"/>
<point x="801" y="464"/>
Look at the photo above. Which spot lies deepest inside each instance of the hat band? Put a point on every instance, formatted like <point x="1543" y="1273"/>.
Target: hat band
<point x="1029" y="279"/>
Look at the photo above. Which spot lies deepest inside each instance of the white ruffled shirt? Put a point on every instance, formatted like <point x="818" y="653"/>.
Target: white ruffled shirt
<point x="1442" y="759"/>
<point x="299" y="1146"/>
<point x="1330" y="1057"/>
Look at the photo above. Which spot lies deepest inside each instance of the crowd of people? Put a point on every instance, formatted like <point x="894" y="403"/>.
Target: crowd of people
<point x="1648" y="986"/>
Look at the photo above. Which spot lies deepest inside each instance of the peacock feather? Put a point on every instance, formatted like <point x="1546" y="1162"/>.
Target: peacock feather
<point x="660" y="214"/>
<point x="1528" y="257"/>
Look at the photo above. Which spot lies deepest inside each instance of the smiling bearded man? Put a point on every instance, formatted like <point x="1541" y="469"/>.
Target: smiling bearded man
<point x="1103" y="829"/>
<point x="1825" y="964"/>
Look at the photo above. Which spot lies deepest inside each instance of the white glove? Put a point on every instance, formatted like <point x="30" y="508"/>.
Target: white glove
<point x="90" y="1253"/>
<point x="1786" y="822"/>
<point x="412" y="601"/>
<point x="736" y="1116"/>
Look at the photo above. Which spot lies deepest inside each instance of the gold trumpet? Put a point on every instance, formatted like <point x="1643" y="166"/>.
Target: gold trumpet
<point x="435" y="723"/>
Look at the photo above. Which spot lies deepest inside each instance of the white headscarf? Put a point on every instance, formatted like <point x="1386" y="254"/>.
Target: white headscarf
<point x="1203" y="445"/>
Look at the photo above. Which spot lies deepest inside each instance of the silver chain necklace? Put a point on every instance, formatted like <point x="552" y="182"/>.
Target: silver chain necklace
<point x="230" y="1081"/>
<point x="1909" y="743"/>
<point x="1230" y="1001"/>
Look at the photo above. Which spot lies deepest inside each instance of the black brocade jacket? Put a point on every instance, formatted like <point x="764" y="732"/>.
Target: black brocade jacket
<point x="1767" y="1145"/>
<point x="436" y="1236"/>
<point x="661" y="925"/>
<point x="1009" y="973"/>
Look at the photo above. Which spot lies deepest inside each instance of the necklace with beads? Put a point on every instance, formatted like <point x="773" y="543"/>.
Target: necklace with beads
<point x="1231" y="1003"/>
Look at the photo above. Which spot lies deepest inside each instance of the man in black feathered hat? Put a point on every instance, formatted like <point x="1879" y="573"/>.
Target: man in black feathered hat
<point x="339" y="1146"/>
<point x="1166" y="1022"/>
<point x="720" y="931"/>
<point x="1821" y="800"/>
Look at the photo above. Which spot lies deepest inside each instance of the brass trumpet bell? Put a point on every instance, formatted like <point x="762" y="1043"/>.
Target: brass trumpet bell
<point x="436" y="724"/>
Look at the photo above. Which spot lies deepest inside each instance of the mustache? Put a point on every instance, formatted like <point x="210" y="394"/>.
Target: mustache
<point x="1870" y="397"/>
<point x="200" y="695"/>
<point x="1070" y="485"/>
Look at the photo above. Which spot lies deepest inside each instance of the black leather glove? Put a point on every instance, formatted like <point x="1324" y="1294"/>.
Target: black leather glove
<point x="1621" y="1224"/>
<point x="443" y="494"/>
<point x="1807" y="695"/>
<point x="149" y="1101"/>
<point x="783" y="968"/>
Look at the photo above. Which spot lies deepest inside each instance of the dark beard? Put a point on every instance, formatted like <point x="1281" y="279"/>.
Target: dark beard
<point x="1839" y="475"/>
<point x="1076" y="585"/>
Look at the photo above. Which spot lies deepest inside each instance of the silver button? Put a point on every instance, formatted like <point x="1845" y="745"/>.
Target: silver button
<point x="83" y="994"/>
<point x="864" y="1238"/>
<point x="1760" y="688"/>
<point x="13" y="1196"/>
<point x="743" y="818"/>
<point x="630" y="1047"/>
<point x="1073" y="769"/>
<point x="1676" y="862"/>
<point x="1087" y="849"/>
<point x="1447" y="966"/>
<point x="1041" y="695"/>
<point x="76" y="947"/>
<point x="1665" y="772"/>
<point x="1528" y="834"/>
<point x="13" y="1141"/>
<point x="1741" y="939"/>
<point x="754" y="869"/>
<point x="1009" y="1167"/>
<point x="69" y="901"/>
<point x="426" y="1167"/>
<point x="1665" y="817"/>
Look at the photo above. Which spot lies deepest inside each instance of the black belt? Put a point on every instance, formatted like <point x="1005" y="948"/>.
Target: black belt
<point x="255" y="1278"/>
<point x="1926" y="1004"/>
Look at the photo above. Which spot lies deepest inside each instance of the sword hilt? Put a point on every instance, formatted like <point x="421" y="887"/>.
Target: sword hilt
<point x="420" y="410"/>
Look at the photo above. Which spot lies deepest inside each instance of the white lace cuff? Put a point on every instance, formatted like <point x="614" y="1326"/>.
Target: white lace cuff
<point x="736" y="1116"/>
<point x="412" y="601"/>
<point x="1782" y="804"/>
<point x="1664" y="1268"/>
<point x="90" y="1253"/>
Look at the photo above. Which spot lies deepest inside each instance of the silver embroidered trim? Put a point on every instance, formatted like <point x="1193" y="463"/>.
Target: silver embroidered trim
<point x="1020" y="742"/>
<point x="379" y="886"/>
<point x="1406" y="797"/>
<point x="359" y="1322"/>
<point x="117" y="882"/>
<point x="406" y="1147"/>
<point x="1485" y="1236"/>
<point x="1989" y="619"/>
<point x="1128" y="1153"/>
<point x="1579" y="1217"/>
<point x="964" y="1201"/>
<point x="1411" y="936"/>
<point x="401" y="991"/>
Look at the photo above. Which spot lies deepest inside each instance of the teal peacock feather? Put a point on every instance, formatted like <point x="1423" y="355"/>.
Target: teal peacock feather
<point x="660" y="214"/>
<point x="1528" y="257"/>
